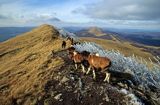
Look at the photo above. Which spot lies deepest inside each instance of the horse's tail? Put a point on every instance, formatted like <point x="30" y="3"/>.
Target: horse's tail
<point x="110" y="64"/>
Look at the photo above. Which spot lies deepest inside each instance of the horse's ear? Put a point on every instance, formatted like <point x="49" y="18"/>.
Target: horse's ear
<point x="97" y="54"/>
<point x="74" y="53"/>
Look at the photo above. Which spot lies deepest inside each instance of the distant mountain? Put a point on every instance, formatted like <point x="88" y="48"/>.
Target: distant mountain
<point x="137" y="36"/>
<point x="91" y="31"/>
<point x="150" y="38"/>
<point x="95" y="32"/>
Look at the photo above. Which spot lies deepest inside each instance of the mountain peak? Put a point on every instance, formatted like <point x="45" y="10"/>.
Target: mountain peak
<point x="45" y="32"/>
<point x="96" y="31"/>
<point x="46" y="26"/>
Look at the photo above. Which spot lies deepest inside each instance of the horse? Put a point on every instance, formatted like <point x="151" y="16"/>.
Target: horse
<point x="78" y="59"/>
<point x="70" y="51"/>
<point x="63" y="44"/>
<point x="98" y="63"/>
<point x="71" y="40"/>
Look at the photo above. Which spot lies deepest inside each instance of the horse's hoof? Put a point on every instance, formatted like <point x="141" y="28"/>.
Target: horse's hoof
<point x="105" y="81"/>
<point x="87" y="73"/>
<point x="94" y="79"/>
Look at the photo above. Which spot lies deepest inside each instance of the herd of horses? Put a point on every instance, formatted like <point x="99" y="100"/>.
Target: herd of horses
<point x="92" y="62"/>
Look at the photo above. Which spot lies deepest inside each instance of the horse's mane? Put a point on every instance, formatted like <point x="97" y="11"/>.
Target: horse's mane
<point x="85" y="53"/>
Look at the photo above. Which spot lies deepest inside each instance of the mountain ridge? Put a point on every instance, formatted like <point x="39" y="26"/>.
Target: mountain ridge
<point x="21" y="60"/>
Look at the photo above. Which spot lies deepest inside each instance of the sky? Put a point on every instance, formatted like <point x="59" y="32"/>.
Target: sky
<point x="142" y="14"/>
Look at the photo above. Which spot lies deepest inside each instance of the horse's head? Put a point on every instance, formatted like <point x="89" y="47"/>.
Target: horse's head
<point x="71" y="55"/>
<point x="85" y="54"/>
<point x="75" y="53"/>
<point x="96" y="54"/>
<point x="71" y="49"/>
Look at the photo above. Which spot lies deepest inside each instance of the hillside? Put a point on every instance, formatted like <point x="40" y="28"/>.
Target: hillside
<point x="21" y="60"/>
<point x="35" y="70"/>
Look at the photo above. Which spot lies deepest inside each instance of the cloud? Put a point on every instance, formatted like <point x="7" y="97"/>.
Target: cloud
<point x="123" y="10"/>
<point x="2" y="17"/>
<point x="137" y="13"/>
<point x="19" y="13"/>
<point x="37" y="17"/>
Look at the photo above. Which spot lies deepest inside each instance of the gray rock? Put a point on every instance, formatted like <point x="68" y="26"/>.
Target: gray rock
<point x="64" y="79"/>
<point x="106" y="98"/>
<point x="58" y="96"/>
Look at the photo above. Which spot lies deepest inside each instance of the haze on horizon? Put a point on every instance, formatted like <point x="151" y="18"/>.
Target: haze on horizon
<point x="141" y="14"/>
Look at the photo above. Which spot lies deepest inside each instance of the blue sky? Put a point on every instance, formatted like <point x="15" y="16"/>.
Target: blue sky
<point x="143" y="14"/>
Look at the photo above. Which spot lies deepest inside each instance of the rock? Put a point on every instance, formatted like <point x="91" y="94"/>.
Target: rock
<point x="129" y="71"/>
<point x="58" y="96"/>
<point x="106" y="98"/>
<point x="80" y="84"/>
<point x="121" y="84"/>
<point x="64" y="79"/>
<point x="19" y="101"/>
<point x="47" y="102"/>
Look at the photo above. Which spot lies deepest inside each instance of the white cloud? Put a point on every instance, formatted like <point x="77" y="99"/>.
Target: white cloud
<point x="124" y="10"/>
<point x="137" y="13"/>
<point x="19" y="14"/>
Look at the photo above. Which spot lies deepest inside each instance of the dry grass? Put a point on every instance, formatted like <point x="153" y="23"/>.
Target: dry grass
<point x="24" y="61"/>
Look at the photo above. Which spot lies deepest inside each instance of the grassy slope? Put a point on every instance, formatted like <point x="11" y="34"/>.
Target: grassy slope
<point x="21" y="60"/>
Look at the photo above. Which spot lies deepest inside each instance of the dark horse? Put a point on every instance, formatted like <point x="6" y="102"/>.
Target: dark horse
<point x="71" y="40"/>
<point x="63" y="44"/>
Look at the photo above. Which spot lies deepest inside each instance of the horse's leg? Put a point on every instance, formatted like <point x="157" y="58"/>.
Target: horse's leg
<point x="107" y="77"/>
<point x="89" y="68"/>
<point x="76" y="66"/>
<point x="94" y="74"/>
<point x="83" y="68"/>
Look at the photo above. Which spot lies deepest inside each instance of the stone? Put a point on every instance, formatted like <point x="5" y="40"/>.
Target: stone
<point x="64" y="79"/>
<point x="106" y="98"/>
<point x="58" y="96"/>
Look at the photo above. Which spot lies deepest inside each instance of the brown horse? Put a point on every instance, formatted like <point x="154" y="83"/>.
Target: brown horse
<point x="70" y="51"/>
<point x="98" y="63"/>
<point x="78" y="59"/>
